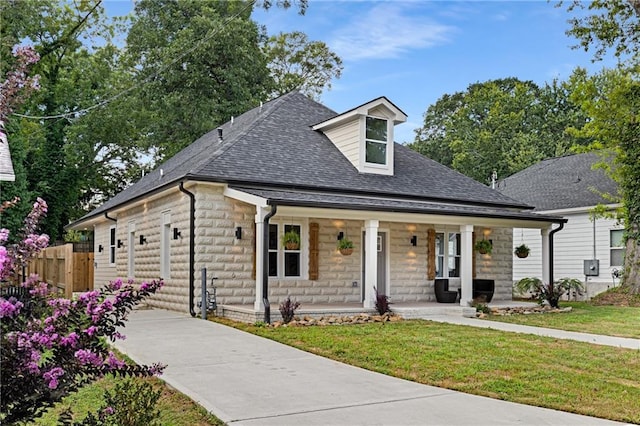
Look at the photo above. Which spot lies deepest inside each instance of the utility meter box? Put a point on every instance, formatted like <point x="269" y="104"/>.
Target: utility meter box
<point x="592" y="267"/>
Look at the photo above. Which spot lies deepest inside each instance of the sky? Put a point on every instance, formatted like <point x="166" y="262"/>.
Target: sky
<point x="414" y="52"/>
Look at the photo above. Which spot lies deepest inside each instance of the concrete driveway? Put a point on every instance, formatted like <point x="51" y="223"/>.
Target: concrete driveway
<point x="248" y="380"/>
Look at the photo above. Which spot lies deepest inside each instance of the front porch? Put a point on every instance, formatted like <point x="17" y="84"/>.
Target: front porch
<point x="406" y="310"/>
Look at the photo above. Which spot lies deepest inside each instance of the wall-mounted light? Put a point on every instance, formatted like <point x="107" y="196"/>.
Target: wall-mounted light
<point x="239" y="232"/>
<point x="176" y="234"/>
<point x="340" y="235"/>
<point x="120" y="243"/>
<point x="143" y="240"/>
<point x="414" y="240"/>
<point x="100" y="248"/>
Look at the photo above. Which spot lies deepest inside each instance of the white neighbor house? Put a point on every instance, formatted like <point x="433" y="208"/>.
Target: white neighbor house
<point x="224" y="202"/>
<point x="570" y="187"/>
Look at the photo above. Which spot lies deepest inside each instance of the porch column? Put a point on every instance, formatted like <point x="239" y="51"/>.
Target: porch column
<point x="371" y="263"/>
<point x="546" y="266"/>
<point x="260" y="244"/>
<point x="466" y="264"/>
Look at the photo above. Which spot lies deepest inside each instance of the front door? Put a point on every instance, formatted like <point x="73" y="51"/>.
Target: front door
<point x="382" y="264"/>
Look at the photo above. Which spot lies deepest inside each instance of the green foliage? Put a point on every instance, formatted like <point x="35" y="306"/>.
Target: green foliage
<point x="551" y="292"/>
<point x="132" y="402"/>
<point x="522" y="250"/>
<point x="345" y="243"/>
<point x="296" y="63"/>
<point x="290" y="237"/>
<point x="483" y="246"/>
<point x="503" y="125"/>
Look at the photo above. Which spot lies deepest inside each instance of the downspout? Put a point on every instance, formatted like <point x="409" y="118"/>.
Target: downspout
<point x="106" y="215"/>
<point x="551" y="251"/>
<point x="265" y="262"/>
<point x="192" y="247"/>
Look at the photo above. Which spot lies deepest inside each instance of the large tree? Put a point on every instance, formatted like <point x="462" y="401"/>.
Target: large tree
<point x="612" y="100"/>
<point x="501" y="125"/>
<point x="198" y="64"/>
<point x="296" y="63"/>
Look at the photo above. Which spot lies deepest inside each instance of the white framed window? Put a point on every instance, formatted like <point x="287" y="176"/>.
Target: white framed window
<point x="448" y="254"/>
<point x="287" y="262"/>
<point x="112" y="246"/>
<point x="616" y="247"/>
<point x="165" y="245"/>
<point x="376" y="141"/>
<point x="131" y="241"/>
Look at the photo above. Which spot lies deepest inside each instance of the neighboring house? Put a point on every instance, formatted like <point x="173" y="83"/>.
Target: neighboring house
<point x="224" y="202"/>
<point x="570" y="187"/>
<point x="6" y="166"/>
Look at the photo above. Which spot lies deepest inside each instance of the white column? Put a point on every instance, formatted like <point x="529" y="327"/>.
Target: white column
<point x="260" y="245"/>
<point x="371" y="263"/>
<point x="546" y="265"/>
<point x="466" y="264"/>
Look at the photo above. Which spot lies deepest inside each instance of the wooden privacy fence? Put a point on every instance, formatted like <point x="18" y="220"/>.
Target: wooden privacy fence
<point x="64" y="269"/>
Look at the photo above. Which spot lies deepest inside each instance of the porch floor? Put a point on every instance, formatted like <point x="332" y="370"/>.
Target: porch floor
<point x="407" y="310"/>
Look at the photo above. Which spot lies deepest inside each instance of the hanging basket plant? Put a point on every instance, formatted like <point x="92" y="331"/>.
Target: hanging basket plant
<point x="483" y="246"/>
<point x="291" y="240"/>
<point x="522" y="251"/>
<point x="345" y="246"/>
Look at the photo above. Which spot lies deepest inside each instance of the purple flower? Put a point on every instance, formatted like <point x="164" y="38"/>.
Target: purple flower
<point x="4" y="234"/>
<point x="10" y="308"/>
<point x="114" y="362"/>
<point x="51" y="377"/>
<point x="85" y="357"/>
<point x="70" y="340"/>
<point x="91" y="330"/>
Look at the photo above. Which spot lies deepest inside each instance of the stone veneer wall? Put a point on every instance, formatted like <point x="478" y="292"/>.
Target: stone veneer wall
<point x="499" y="264"/>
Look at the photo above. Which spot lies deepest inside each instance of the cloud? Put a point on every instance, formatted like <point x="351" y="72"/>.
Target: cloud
<point x="387" y="31"/>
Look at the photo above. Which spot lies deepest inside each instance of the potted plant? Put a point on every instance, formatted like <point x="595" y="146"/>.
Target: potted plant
<point x="291" y="240"/>
<point x="522" y="251"/>
<point x="345" y="246"/>
<point x="483" y="246"/>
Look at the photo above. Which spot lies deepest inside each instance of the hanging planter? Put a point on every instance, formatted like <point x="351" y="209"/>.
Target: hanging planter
<point x="483" y="246"/>
<point x="291" y="240"/>
<point x="345" y="246"/>
<point x="522" y="251"/>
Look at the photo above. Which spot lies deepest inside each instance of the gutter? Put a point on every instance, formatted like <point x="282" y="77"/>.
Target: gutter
<point x="192" y="246"/>
<point x="559" y="228"/>
<point x="265" y="262"/>
<point x="106" y="215"/>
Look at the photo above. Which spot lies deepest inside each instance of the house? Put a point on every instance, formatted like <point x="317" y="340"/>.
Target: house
<point x="590" y="249"/>
<point x="224" y="202"/>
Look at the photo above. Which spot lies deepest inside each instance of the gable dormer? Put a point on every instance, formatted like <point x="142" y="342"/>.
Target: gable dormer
<point x="364" y="135"/>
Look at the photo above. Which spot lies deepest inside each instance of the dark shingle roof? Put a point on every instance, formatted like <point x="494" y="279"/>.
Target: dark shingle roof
<point x="273" y="145"/>
<point x="561" y="183"/>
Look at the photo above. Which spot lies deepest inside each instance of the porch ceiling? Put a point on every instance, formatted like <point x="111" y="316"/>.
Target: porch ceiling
<point x="324" y="205"/>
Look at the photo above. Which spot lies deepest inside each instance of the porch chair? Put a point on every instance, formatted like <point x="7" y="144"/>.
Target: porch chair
<point x="483" y="288"/>
<point x="443" y="294"/>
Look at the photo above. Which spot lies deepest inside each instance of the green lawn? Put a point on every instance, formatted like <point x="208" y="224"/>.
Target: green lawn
<point x="569" y="376"/>
<point x="175" y="408"/>
<point x="607" y="320"/>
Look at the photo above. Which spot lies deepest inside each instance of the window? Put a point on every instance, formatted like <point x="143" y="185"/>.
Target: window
<point x="112" y="246"/>
<point x="284" y="262"/>
<point x="616" y="244"/>
<point x="376" y="141"/>
<point x="448" y="253"/>
<point x="165" y="245"/>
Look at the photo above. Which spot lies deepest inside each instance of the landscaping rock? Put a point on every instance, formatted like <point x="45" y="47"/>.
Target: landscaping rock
<point x="362" y="318"/>
<point x="528" y="310"/>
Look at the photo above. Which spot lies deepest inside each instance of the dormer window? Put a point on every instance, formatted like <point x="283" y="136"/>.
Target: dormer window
<point x="376" y="141"/>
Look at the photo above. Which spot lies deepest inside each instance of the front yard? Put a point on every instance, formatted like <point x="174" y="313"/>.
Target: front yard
<point x="564" y="375"/>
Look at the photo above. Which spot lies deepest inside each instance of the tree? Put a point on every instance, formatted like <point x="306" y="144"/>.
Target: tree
<point x="501" y="125"/>
<point x="612" y="100"/>
<point x="198" y="64"/>
<point x="296" y="63"/>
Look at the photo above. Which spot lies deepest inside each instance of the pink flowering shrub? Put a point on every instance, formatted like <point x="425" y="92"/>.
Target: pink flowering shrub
<point x="52" y="346"/>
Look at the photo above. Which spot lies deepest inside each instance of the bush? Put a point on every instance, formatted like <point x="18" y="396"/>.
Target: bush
<point x="552" y="292"/>
<point x="382" y="303"/>
<point x="288" y="309"/>
<point x="52" y="346"/>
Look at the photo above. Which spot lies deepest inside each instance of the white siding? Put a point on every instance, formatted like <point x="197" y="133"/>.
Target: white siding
<point x="571" y="246"/>
<point x="347" y="138"/>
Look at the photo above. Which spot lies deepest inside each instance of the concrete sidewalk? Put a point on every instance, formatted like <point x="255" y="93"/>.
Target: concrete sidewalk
<point x="248" y="380"/>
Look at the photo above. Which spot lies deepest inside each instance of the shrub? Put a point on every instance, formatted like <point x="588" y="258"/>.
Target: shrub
<point x="288" y="309"/>
<point x="483" y="246"/>
<point x="550" y="292"/>
<point x="382" y="303"/>
<point x="52" y="346"/>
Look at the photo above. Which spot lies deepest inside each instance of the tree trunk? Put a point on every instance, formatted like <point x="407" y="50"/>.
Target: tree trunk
<point x="631" y="277"/>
